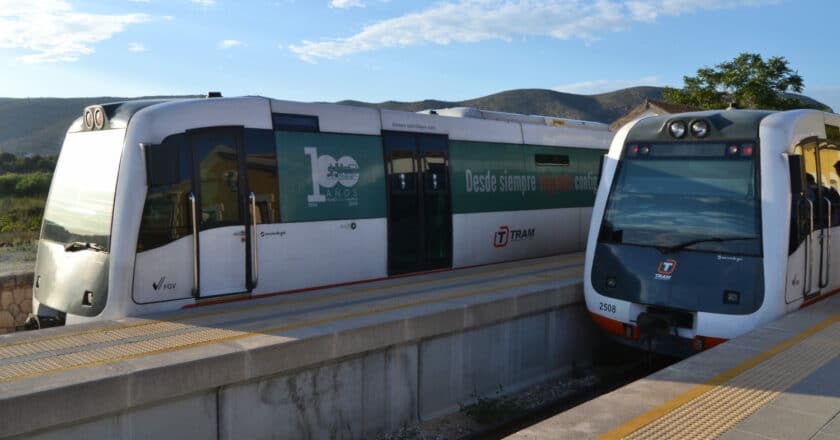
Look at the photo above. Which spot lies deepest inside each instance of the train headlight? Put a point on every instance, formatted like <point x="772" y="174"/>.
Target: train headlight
<point x="677" y="129"/>
<point x="99" y="118"/>
<point x="700" y="128"/>
<point x="89" y="119"/>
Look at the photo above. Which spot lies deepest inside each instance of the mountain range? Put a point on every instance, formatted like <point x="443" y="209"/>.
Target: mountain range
<point x="38" y="125"/>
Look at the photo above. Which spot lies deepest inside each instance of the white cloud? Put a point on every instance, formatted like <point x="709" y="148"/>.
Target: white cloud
<point x="606" y="85"/>
<point x="342" y="4"/>
<point x="649" y="11"/>
<point x="136" y="47"/>
<point x="54" y="31"/>
<point x="227" y="44"/>
<point x="204" y="3"/>
<point x="470" y="21"/>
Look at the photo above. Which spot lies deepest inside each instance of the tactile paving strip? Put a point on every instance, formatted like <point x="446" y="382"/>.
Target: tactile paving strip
<point x="113" y="353"/>
<point x="717" y="410"/>
<point x="101" y="346"/>
<point x="148" y="328"/>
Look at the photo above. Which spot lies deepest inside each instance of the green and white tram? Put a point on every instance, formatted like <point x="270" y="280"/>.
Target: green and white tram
<point x="158" y="205"/>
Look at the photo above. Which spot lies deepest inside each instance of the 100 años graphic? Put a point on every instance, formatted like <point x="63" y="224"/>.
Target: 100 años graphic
<point x="333" y="181"/>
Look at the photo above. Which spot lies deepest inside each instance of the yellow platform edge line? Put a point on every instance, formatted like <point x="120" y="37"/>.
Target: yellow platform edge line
<point x="276" y="329"/>
<point x="643" y="420"/>
<point x="564" y="258"/>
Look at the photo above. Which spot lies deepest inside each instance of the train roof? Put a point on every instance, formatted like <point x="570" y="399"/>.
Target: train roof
<point x="471" y="112"/>
<point x="336" y="118"/>
<point x="724" y="124"/>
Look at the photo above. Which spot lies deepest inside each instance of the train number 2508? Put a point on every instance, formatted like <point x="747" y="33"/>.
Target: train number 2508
<point x="606" y="307"/>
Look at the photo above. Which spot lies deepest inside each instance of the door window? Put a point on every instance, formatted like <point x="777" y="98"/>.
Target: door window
<point x="218" y="175"/>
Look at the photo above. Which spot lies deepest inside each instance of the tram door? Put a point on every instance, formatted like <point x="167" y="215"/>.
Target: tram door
<point x="220" y="214"/>
<point x="419" y="203"/>
<point x="818" y="211"/>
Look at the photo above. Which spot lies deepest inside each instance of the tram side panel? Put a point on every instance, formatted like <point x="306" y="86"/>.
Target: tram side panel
<point x="332" y="211"/>
<point x="320" y="222"/>
<point x="526" y="201"/>
<point x="508" y="202"/>
<point x="322" y="209"/>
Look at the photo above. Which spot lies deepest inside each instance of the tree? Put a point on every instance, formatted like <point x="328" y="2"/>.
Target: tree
<point x="748" y="81"/>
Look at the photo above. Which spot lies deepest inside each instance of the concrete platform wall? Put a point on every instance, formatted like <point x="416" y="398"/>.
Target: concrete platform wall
<point x="370" y="393"/>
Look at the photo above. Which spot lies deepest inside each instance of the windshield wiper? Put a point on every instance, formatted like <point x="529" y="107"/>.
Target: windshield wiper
<point x="82" y="245"/>
<point x="677" y="247"/>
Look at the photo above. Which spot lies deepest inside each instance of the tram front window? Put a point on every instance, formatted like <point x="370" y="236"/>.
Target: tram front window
<point x="697" y="196"/>
<point x="81" y="201"/>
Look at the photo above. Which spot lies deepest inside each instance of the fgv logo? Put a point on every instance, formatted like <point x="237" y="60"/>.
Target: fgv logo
<point x="162" y="284"/>
<point x="327" y="172"/>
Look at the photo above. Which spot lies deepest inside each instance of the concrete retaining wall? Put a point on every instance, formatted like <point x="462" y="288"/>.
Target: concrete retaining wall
<point x="354" y="384"/>
<point x="15" y="301"/>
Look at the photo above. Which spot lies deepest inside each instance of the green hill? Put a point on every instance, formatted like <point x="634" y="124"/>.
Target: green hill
<point x="38" y="125"/>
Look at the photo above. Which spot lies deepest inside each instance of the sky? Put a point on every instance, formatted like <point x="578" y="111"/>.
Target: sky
<point x="403" y="50"/>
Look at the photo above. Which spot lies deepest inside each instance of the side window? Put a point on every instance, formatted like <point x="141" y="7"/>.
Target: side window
<point x="551" y="160"/>
<point x="799" y="211"/>
<point x="261" y="154"/>
<point x="166" y="214"/>
<point x="435" y="173"/>
<point x="830" y="183"/>
<point x="403" y="172"/>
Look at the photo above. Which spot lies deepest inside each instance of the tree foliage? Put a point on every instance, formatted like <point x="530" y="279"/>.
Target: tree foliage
<point x="9" y="163"/>
<point x="748" y="81"/>
<point x="25" y="185"/>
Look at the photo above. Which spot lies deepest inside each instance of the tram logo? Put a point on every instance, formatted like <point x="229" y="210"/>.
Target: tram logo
<point x="665" y="269"/>
<point x="505" y="234"/>
<point x="501" y="237"/>
<point x="338" y="178"/>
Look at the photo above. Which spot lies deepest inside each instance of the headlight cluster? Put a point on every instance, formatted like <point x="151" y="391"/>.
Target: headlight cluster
<point x="94" y="118"/>
<point x="698" y="128"/>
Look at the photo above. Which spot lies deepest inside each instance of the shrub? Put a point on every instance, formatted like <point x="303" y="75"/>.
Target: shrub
<point x="33" y="184"/>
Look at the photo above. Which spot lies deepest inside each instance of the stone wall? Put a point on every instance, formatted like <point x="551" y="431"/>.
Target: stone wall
<point x="15" y="301"/>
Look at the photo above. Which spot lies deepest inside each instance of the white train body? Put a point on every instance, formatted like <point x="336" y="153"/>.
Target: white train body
<point x="161" y="205"/>
<point x="697" y="239"/>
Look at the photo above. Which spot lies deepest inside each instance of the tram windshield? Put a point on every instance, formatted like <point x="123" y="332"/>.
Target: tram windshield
<point x="698" y="196"/>
<point x="81" y="201"/>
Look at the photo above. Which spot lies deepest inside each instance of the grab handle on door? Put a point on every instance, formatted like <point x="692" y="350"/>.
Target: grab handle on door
<point x="826" y="247"/>
<point x="255" y="259"/>
<point x="195" y="244"/>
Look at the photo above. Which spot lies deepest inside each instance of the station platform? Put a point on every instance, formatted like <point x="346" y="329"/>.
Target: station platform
<point x="109" y="378"/>
<point x="781" y="381"/>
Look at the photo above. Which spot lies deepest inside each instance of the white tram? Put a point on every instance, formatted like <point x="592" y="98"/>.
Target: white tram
<point x="709" y="224"/>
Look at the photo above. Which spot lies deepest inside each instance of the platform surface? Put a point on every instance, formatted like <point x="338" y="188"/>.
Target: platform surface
<point x="48" y="376"/>
<point x="781" y="381"/>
